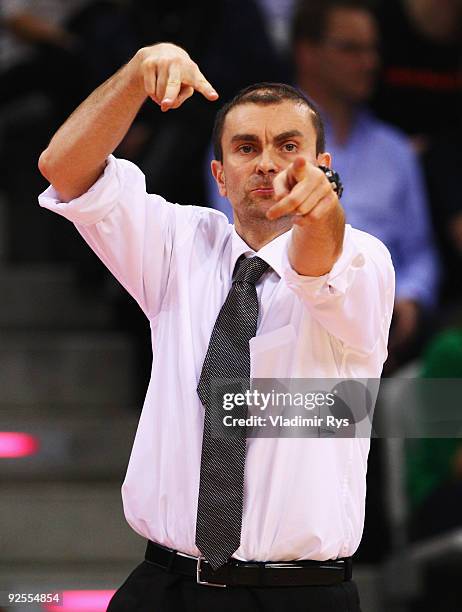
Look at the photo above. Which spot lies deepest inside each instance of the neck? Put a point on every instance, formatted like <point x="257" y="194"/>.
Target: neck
<point x="339" y="111"/>
<point x="257" y="234"/>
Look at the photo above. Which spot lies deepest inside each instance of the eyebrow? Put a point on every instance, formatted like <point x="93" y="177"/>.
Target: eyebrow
<point x="279" y="138"/>
<point x="246" y="137"/>
<point x="288" y="135"/>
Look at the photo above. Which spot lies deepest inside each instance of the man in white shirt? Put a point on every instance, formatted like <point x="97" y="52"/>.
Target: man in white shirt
<point x="325" y="296"/>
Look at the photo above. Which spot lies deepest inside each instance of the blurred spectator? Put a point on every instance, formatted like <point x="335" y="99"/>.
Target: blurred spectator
<point x="63" y="48"/>
<point x="336" y="55"/>
<point x="421" y="86"/>
<point x="442" y="163"/>
<point x="52" y="53"/>
<point x="434" y="476"/>
<point x="36" y="47"/>
<point x="278" y="17"/>
<point x="434" y="465"/>
<point x="421" y="92"/>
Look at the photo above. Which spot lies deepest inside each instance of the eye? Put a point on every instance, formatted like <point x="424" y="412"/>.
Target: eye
<point x="246" y="149"/>
<point x="289" y="147"/>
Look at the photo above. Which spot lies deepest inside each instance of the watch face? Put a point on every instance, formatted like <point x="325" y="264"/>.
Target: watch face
<point x="334" y="179"/>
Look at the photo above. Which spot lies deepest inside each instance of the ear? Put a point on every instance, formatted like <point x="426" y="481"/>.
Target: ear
<point x="324" y="159"/>
<point x="219" y="175"/>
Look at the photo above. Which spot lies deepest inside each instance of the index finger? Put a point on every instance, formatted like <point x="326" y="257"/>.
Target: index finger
<point x="297" y="170"/>
<point x="201" y="85"/>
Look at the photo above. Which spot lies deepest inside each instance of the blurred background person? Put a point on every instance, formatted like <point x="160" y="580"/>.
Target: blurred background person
<point x="434" y="471"/>
<point x="420" y="91"/>
<point x="336" y="55"/>
<point x="36" y="49"/>
<point x="278" y="17"/>
<point x="62" y="48"/>
<point x="52" y="54"/>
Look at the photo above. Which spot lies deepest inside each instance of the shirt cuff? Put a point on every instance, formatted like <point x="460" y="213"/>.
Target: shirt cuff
<point x="334" y="283"/>
<point x="93" y="205"/>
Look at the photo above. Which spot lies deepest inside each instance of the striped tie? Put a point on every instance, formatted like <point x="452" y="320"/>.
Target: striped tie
<point x="221" y="489"/>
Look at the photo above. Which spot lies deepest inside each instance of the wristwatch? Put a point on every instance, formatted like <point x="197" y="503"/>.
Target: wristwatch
<point x="334" y="178"/>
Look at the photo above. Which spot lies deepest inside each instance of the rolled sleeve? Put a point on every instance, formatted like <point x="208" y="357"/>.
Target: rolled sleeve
<point x="131" y="231"/>
<point x="354" y="301"/>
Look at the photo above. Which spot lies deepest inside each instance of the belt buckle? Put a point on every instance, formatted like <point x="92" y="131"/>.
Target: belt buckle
<point x="198" y="575"/>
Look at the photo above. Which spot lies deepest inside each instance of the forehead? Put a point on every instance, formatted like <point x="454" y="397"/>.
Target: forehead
<point x="351" y="23"/>
<point x="269" y="120"/>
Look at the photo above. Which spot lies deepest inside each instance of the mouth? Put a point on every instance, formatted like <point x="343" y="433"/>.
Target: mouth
<point x="264" y="191"/>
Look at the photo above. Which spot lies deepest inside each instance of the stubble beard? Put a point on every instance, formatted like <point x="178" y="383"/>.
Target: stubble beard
<point x="252" y="215"/>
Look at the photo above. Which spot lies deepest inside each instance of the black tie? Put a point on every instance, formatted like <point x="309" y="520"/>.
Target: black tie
<point x="221" y="489"/>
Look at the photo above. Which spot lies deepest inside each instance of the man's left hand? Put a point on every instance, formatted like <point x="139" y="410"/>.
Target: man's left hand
<point x="304" y="191"/>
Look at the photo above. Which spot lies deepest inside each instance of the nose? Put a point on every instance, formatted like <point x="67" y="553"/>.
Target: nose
<point x="266" y="163"/>
<point x="371" y="60"/>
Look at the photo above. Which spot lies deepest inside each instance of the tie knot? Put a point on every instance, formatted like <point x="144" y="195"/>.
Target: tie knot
<point x="250" y="270"/>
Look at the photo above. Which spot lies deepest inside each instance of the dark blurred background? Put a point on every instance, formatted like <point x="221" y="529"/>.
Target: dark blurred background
<point x="76" y="350"/>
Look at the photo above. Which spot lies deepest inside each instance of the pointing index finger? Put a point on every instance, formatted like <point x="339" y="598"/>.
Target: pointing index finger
<point x="298" y="170"/>
<point x="201" y="85"/>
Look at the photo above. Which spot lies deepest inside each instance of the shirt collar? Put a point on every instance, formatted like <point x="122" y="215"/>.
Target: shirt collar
<point x="272" y="252"/>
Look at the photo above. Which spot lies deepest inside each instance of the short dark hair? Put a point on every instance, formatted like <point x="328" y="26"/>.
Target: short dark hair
<point x="310" y="17"/>
<point x="266" y="94"/>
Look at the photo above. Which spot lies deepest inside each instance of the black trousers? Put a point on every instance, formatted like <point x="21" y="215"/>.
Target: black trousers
<point x="150" y="588"/>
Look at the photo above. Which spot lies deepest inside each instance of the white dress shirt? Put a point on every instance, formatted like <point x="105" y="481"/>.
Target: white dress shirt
<point x="304" y="498"/>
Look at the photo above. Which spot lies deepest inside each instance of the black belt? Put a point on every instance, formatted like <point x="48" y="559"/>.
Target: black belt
<point x="247" y="573"/>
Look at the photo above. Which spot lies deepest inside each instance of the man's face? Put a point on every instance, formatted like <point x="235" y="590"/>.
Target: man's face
<point x="258" y="142"/>
<point x="347" y="58"/>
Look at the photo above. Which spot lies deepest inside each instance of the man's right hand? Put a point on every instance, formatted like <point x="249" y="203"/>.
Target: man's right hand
<point x="170" y="76"/>
<point x="77" y="153"/>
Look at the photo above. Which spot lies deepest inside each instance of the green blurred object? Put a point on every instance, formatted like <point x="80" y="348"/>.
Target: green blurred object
<point x="429" y="460"/>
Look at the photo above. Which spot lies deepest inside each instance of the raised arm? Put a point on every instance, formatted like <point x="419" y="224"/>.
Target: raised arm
<point x="303" y="190"/>
<point x="77" y="153"/>
<point x="345" y="278"/>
